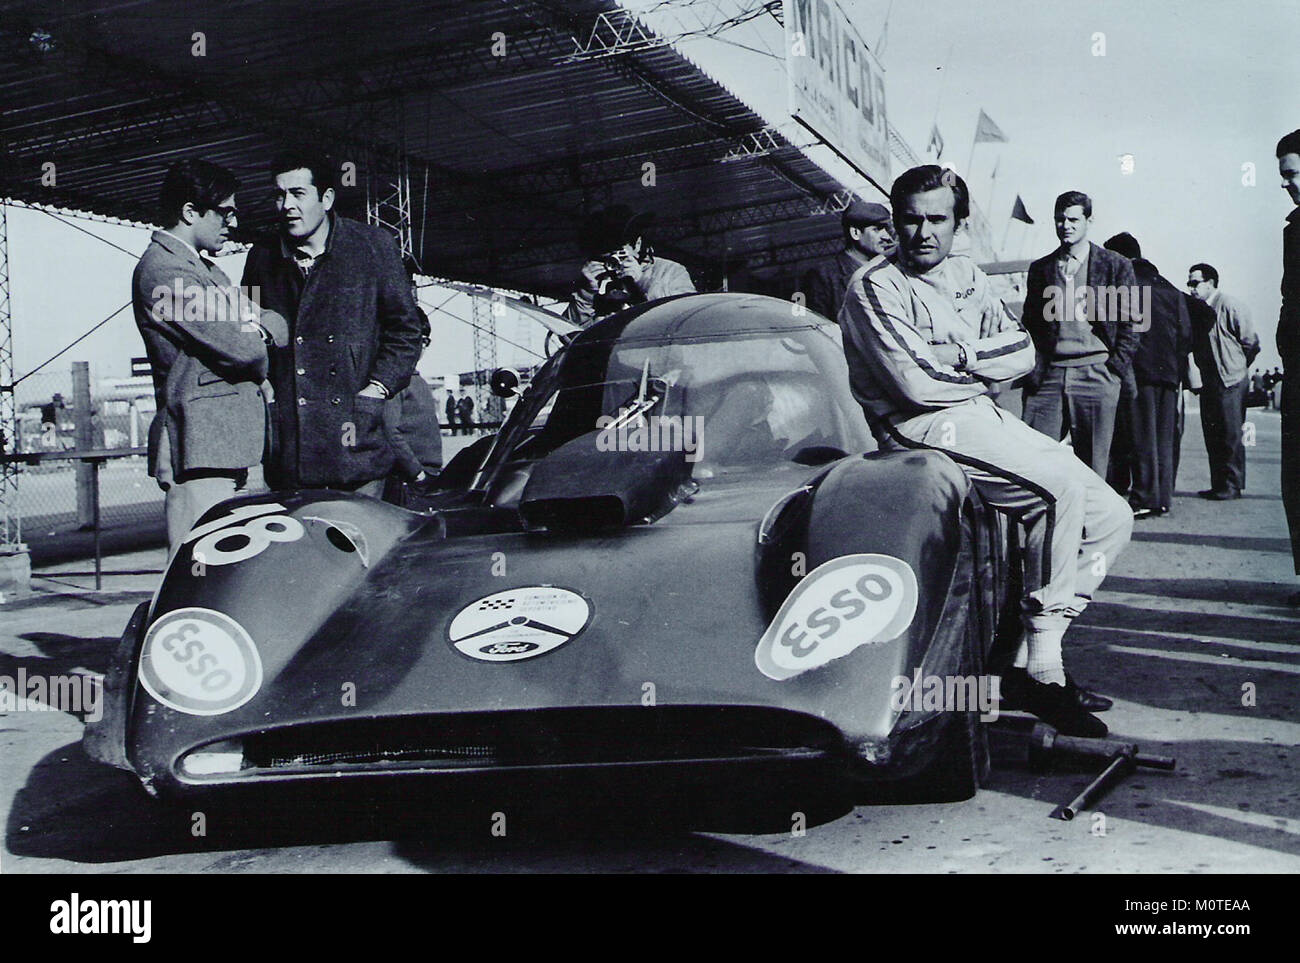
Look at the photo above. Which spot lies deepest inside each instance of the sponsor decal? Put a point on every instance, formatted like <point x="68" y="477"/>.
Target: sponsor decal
<point x="841" y="605"/>
<point x="226" y="541"/>
<point x="519" y="623"/>
<point x="199" y="661"/>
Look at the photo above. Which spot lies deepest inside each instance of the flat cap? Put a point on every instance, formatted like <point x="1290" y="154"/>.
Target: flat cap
<point x="861" y="213"/>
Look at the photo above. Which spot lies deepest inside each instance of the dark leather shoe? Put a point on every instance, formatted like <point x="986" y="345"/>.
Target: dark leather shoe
<point x="1088" y="700"/>
<point x="1013" y="687"/>
<point x="1144" y="513"/>
<point x="1219" y="496"/>
<point x="1051" y="703"/>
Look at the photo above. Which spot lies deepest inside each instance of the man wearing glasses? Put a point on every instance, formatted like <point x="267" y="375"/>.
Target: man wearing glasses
<point x="1224" y="352"/>
<point x="207" y="346"/>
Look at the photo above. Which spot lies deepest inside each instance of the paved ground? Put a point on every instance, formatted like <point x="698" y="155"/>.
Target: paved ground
<point x="1189" y="622"/>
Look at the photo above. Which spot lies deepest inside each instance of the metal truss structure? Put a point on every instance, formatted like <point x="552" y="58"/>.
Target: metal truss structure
<point x="614" y="33"/>
<point x="487" y="406"/>
<point x="340" y="106"/>
<point x="11" y="536"/>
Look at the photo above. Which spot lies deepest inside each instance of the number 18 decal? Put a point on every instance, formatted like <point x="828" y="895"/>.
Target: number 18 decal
<point x="243" y="534"/>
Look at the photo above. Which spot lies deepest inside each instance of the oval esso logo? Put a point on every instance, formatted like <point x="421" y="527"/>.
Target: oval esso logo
<point x="848" y="602"/>
<point x="200" y="661"/>
<point x="519" y="623"/>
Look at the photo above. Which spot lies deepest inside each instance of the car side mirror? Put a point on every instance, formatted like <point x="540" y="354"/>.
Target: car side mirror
<point x="504" y="382"/>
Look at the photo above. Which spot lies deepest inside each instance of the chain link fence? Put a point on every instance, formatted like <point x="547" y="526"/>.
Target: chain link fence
<point x="64" y="412"/>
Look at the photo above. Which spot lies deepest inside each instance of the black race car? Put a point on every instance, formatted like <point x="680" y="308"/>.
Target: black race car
<point x="681" y="561"/>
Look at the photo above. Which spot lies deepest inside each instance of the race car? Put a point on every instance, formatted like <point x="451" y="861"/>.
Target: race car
<point x="681" y="561"/>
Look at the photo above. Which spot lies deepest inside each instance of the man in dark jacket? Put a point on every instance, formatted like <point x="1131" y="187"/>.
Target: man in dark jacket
<point x="868" y="233"/>
<point x="449" y="408"/>
<point x="411" y="420"/>
<point x="465" y="412"/>
<point x="1146" y="424"/>
<point x="1288" y="343"/>
<point x="1078" y="310"/>
<point x="355" y="333"/>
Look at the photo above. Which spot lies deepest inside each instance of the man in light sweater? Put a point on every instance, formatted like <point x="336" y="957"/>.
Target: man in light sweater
<point x="1224" y="352"/>
<point x="925" y="338"/>
<point x="1081" y="313"/>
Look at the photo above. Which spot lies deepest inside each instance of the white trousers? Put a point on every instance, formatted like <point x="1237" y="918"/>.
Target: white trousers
<point x="1075" y="524"/>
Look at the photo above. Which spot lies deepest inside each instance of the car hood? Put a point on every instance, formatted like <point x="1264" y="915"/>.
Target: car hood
<point x="673" y="617"/>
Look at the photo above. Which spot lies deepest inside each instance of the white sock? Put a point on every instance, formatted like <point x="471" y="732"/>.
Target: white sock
<point x="1022" y="653"/>
<point x="1045" y="663"/>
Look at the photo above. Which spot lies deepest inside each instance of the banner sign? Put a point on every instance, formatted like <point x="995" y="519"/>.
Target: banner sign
<point x="837" y="87"/>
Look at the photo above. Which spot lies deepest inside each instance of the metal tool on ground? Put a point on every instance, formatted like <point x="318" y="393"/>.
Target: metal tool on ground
<point x="1046" y="745"/>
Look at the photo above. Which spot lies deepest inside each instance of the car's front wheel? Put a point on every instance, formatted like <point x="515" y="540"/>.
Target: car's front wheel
<point x="960" y="763"/>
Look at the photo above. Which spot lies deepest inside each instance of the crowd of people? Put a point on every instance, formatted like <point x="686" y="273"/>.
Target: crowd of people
<point x="309" y="368"/>
<point x="1101" y="351"/>
<point x="1266" y="390"/>
<point x="1115" y="343"/>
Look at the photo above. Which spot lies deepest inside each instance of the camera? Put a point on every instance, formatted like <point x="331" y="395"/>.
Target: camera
<point x="612" y="274"/>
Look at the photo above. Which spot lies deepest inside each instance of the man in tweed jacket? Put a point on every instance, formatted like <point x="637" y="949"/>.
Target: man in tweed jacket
<point x="207" y="345"/>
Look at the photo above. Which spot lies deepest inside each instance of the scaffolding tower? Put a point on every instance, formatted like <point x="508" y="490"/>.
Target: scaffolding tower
<point x="486" y="404"/>
<point x="11" y="537"/>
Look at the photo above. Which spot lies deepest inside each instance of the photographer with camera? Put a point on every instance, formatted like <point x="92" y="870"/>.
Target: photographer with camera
<point x="621" y="268"/>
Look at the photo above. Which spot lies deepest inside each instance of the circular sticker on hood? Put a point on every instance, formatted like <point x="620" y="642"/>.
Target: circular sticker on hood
<point x="519" y="623"/>
<point x="200" y="661"/>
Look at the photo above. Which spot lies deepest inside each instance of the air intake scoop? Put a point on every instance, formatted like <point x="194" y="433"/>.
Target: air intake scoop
<point x="579" y="487"/>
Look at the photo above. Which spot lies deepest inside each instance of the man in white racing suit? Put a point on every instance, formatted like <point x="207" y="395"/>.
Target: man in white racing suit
<point x="925" y="337"/>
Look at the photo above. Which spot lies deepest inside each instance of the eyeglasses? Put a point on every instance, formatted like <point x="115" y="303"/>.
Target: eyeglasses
<point x="1195" y="282"/>
<point x="228" y="213"/>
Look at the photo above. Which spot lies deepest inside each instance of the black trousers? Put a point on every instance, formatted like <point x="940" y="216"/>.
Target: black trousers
<point x="1223" y="411"/>
<point x="1155" y="442"/>
<point x="1121" y="472"/>
<point x="1291" y="456"/>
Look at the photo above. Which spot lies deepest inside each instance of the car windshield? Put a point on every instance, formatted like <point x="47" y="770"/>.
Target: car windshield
<point x="737" y="402"/>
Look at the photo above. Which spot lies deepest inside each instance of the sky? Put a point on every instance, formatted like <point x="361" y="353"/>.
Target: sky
<point x="65" y="279"/>
<point x="1193" y="90"/>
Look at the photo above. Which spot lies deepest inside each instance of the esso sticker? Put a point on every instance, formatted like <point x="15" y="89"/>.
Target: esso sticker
<point x="520" y="623"/>
<point x="841" y="605"/>
<point x="200" y="661"/>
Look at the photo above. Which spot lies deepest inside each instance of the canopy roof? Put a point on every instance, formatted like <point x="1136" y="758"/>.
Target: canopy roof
<point x="504" y="153"/>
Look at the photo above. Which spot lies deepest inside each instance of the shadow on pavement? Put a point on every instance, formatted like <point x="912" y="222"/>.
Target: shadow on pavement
<point x="1242" y="543"/>
<point x="1234" y="791"/>
<point x="1243" y="787"/>
<point x="63" y="656"/>
<point x="76" y="809"/>
<point x="1208" y="589"/>
<point x="78" y="600"/>
<point x="1108" y="616"/>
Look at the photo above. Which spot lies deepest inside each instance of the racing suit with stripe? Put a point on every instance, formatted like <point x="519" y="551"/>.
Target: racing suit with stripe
<point x="1075" y="524"/>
